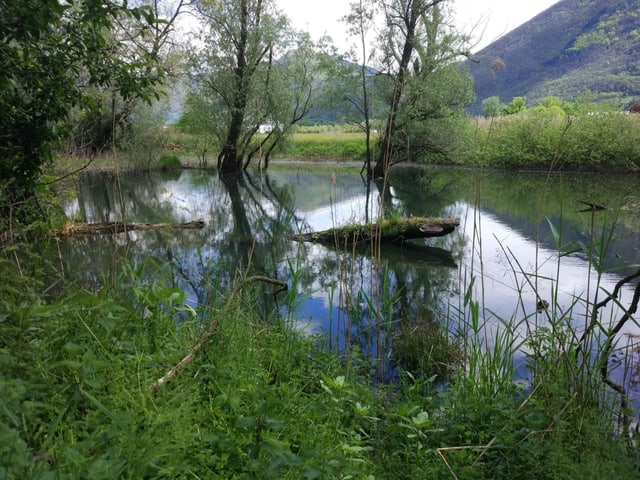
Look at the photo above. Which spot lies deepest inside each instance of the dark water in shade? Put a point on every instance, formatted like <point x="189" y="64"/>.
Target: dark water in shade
<point x="505" y="242"/>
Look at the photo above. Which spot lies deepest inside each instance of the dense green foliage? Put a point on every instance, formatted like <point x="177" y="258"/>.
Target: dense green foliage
<point x="568" y="137"/>
<point x="51" y="53"/>
<point x="76" y="374"/>
<point x="263" y="402"/>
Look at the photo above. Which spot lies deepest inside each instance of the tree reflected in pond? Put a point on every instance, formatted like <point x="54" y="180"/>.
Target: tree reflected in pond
<point x="357" y="297"/>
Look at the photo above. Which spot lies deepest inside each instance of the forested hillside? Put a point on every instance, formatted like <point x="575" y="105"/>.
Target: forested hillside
<point x="574" y="47"/>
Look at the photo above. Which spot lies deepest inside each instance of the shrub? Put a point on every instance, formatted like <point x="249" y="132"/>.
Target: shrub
<point x="142" y="143"/>
<point x="603" y="141"/>
<point x="169" y="162"/>
<point x="544" y="137"/>
<point x="529" y="139"/>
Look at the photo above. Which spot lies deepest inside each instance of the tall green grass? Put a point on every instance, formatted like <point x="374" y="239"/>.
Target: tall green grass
<point x="325" y="146"/>
<point x="566" y="419"/>
<point x="548" y="139"/>
<point x="570" y="420"/>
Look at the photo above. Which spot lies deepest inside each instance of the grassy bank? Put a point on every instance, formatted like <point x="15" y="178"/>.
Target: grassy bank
<point x="573" y="137"/>
<point x="549" y="139"/>
<point x="306" y="143"/>
<point x="261" y="401"/>
<point x="325" y="146"/>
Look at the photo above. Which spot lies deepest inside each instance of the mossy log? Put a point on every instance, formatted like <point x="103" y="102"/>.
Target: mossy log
<point x="394" y="231"/>
<point x="81" y="228"/>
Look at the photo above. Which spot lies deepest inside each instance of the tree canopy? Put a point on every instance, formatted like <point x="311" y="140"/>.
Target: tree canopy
<point x="252" y="74"/>
<point x="419" y="48"/>
<point x="51" y="54"/>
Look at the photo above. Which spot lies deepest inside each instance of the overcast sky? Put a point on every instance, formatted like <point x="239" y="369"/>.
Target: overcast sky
<point x="495" y="17"/>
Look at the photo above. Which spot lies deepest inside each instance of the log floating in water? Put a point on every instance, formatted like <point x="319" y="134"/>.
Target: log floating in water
<point x="394" y="231"/>
<point x="81" y="228"/>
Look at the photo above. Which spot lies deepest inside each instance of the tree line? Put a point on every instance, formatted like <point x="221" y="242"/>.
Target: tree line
<point x="77" y="74"/>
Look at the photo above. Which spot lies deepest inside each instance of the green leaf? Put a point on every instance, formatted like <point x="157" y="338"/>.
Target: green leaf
<point x="102" y="408"/>
<point x="421" y="420"/>
<point x="74" y="456"/>
<point x="247" y="422"/>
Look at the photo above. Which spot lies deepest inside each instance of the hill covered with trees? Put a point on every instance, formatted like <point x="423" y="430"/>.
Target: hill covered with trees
<point x="576" y="47"/>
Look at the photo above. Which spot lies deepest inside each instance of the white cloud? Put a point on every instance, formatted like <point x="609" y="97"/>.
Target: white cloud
<point x="491" y="18"/>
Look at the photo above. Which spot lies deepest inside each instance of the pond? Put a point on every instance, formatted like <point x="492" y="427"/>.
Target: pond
<point x="504" y="255"/>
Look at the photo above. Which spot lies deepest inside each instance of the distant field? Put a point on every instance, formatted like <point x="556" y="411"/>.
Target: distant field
<point x="308" y="143"/>
<point x="326" y="144"/>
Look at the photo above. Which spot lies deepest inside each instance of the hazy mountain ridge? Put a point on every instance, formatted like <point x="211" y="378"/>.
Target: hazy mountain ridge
<point x="573" y="47"/>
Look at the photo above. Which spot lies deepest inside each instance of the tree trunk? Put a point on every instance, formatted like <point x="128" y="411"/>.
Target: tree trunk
<point x="386" y="145"/>
<point x="411" y="16"/>
<point x="73" y="229"/>
<point x="230" y="158"/>
<point x="396" y="231"/>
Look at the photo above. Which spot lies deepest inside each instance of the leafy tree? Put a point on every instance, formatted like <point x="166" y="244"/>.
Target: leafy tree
<point x="288" y="95"/>
<point x="492" y="107"/>
<point x="517" y="105"/>
<point x="51" y="53"/>
<point x="551" y="101"/>
<point x="239" y="76"/>
<point x="428" y="126"/>
<point x="132" y="41"/>
<point x="361" y="22"/>
<point x="418" y="44"/>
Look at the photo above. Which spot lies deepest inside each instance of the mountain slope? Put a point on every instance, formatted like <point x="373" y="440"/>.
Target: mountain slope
<point x="575" y="46"/>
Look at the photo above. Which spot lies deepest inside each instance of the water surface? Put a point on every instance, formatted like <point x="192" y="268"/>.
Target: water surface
<point x="505" y="244"/>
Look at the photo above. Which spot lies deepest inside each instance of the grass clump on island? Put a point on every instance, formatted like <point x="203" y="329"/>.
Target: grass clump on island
<point x="262" y="400"/>
<point x="169" y="162"/>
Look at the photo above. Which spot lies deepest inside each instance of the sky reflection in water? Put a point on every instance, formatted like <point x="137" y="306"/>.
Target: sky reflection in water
<point x="491" y="243"/>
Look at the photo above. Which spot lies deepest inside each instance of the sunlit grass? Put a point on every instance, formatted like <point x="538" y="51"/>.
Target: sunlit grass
<point x="334" y="145"/>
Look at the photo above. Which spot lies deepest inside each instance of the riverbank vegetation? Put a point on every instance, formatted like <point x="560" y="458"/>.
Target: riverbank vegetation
<point x="262" y="400"/>
<point x="80" y="359"/>
<point x="552" y="136"/>
<point x="559" y="136"/>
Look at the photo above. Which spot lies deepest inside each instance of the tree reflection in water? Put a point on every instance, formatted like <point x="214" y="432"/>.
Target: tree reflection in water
<point x="356" y="297"/>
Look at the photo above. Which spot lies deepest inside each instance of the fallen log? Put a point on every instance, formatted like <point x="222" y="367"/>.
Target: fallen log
<point x="82" y="228"/>
<point x="394" y="231"/>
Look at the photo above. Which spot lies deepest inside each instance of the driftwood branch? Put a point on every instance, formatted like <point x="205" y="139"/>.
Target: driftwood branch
<point x="608" y="346"/>
<point x="80" y="228"/>
<point x="395" y="231"/>
<point x="213" y="326"/>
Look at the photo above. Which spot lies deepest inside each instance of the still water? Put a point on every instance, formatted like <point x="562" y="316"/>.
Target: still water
<point x="504" y="255"/>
